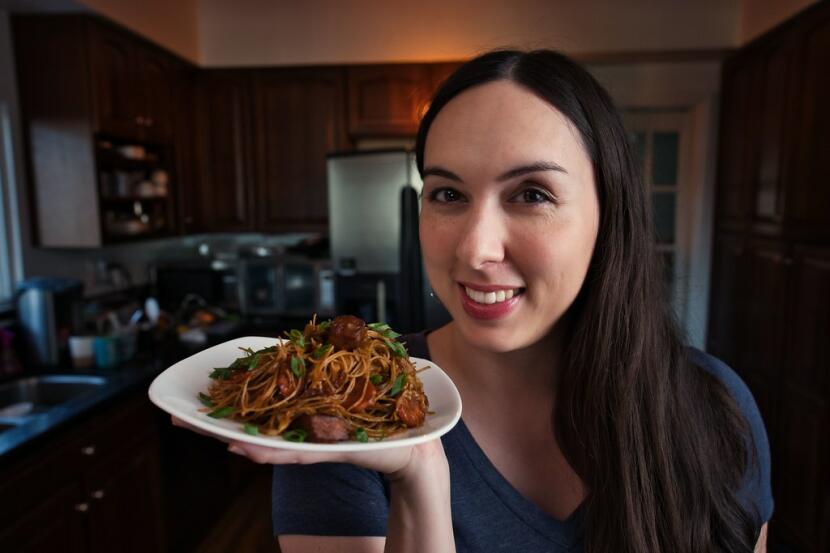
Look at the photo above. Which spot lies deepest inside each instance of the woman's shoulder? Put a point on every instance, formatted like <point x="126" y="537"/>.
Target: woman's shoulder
<point x="757" y="484"/>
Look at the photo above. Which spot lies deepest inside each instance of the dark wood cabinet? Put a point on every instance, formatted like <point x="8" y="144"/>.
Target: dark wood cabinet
<point x="115" y="90"/>
<point x="223" y="136"/>
<point x="94" y="489"/>
<point x="115" y="103"/>
<point x="768" y="314"/>
<point x="299" y="118"/>
<point x="387" y="100"/>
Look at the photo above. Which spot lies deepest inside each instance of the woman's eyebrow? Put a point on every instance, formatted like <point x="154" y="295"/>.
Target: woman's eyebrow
<point x="511" y="174"/>
<point x="532" y="168"/>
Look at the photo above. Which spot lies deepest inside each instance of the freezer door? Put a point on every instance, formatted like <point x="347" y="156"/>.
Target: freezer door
<point x="364" y="209"/>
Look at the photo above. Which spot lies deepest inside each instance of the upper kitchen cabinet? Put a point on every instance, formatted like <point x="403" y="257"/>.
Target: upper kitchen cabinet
<point x="807" y="202"/>
<point x="102" y="153"/>
<point x="299" y="117"/>
<point x="224" y="195"/>
<point x="132" y="86"/>
<point x="387" y="100"/>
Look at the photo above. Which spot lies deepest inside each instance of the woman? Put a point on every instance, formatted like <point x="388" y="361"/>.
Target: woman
<point x="587" y="425"/>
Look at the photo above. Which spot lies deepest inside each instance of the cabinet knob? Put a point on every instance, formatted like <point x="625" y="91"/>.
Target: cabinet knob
<point x="82" y="507"/>
<point x="98" y="494"/>
<point x="139" y="120"/>
<point x="89" y="450"/>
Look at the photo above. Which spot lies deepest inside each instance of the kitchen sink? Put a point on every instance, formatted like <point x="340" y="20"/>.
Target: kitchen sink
<point x="35" y="395"/>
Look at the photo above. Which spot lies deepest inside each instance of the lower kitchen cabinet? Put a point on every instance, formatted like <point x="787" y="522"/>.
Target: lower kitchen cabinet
<point x="93" y="489"/>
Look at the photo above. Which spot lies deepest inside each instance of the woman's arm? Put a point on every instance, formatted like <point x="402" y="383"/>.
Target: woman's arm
<point x="761" y="546"/>
<point x="419" y="514"/>
<point x="420" y="517"/>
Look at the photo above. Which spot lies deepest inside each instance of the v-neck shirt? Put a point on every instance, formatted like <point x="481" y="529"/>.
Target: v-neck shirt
<point x="489" y="514"/>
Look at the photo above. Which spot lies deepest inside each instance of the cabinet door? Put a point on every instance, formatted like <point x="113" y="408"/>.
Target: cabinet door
<point x="808" y="200"/>
<point x="223" y="148"/>
<point x="781" y="69"/>
<point x="739" y="144"/>
<point x="387" y="100"/>
<point x="299" y="119"/>
<point x="157" y="85"/>
<point x="125" y="513"/>
<point x="57" y="524"/>
<point x="724" y="340"/>
<point x="115" y="92"/>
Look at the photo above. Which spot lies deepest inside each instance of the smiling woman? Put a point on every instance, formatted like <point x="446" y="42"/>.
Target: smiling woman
<point x="587" y="425"/>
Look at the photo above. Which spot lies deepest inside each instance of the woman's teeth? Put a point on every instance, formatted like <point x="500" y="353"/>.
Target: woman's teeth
<point x="491" y="297"/>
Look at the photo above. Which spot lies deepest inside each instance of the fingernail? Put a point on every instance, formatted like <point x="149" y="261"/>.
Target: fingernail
<point x="235" y="449"/>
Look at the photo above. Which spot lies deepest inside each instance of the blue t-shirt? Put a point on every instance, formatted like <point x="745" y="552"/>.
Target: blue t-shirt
<point x="489" y="514"/>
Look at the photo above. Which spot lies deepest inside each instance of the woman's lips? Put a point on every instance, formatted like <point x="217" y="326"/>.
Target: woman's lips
<point x="483" y="311"/>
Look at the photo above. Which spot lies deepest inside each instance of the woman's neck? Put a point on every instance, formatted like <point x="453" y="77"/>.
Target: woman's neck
<point x="528" y="373"/>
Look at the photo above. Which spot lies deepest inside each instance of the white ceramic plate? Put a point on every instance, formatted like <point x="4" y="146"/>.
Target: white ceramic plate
<point x="176" y="391"/>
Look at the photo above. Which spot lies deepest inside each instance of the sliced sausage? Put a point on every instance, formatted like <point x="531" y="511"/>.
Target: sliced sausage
<point x="347" y="331"/>
<point x="410" y="408"/>
<point x="324" y="429"/>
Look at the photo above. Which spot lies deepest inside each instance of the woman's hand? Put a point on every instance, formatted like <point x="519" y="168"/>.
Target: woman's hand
<point x="398" y="464"/>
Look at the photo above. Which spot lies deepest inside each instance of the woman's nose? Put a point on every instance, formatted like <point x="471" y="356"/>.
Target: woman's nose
<point x="483" y="238"/>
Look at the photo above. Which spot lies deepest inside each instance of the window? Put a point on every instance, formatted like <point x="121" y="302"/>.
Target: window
<point x="659" y="138"/>
<point x="10" y="255"/>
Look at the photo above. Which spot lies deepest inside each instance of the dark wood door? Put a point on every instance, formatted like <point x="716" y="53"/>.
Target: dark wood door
<point x="123" y="494"/>
<point x="223" y="146"/>
<point x="116" y="94"/>
<point x="56" y="524"/>
<point x="779" y="93"/>
<point x="726" y="303"/>
<point x="387" y="100"/>
<point x="739" y="142"/>
<point x="157" y="79"/>
<point x="804" y="450"/>
<point x="808" y="201"/>
<point x="299" y="115"/>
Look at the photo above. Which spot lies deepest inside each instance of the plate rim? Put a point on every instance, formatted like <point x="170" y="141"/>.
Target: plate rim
<point x="275" y="442"/>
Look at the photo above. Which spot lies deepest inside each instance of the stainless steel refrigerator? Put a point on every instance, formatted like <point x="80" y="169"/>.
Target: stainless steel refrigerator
<point x="373" y="230"/>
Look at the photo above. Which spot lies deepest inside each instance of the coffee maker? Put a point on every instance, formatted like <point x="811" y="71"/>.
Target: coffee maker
<point x="49" y="311"/>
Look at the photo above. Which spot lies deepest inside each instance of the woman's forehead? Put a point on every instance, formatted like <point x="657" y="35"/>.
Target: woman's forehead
<point x="498" y="125"/>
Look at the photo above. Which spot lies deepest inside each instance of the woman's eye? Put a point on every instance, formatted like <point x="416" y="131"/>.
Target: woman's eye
<point x="532" y="196"/>
<point x="446" y="195"/>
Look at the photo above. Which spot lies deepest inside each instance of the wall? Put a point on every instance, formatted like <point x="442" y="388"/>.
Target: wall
<point x="758" y="16"/>
<point x="266" y="32"/>
<point x="172" y="24"/>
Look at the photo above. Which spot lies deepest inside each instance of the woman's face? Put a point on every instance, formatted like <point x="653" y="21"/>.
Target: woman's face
<point x="509" y="214"/>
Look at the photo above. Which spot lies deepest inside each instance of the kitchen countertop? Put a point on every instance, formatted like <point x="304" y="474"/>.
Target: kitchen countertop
<point x="122" y="379"/>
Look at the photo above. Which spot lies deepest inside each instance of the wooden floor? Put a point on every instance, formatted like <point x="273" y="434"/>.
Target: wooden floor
<point x="246" y="527"/>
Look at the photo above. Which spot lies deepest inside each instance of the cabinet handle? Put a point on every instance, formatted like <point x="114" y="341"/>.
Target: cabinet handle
<point x="98" y="494"/>
<point x="139" y="120"/>
<point x="82" y="507"/>
<point x="89" y="450"/>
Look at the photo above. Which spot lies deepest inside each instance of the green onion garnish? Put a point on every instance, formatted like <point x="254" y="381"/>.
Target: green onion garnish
<point x="251" y="429"/>
<point x="222" y="412"/>
<point x="398" y="385"/>
<point x="361" y="435"/>
<point x="296" y="435"/>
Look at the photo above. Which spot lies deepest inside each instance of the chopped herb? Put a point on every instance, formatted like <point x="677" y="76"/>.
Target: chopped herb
<point x="222" y="373"/>
<point x="398" y="385"/>
<point x="377" y="379"/>
<point x="251" y="429"/>
<point x="361" y="435"/>
<point x="378" y="327"/>
<point x="321" y="352"/>
<point x="298" y="366"/>
<point x="205" y="399"/>
<point x="298" y="338"/>
<point x="222" y="412"/>
<point x="396" y="348"/>
<point x="296" y="435"/>
<point x="324" y="326"/>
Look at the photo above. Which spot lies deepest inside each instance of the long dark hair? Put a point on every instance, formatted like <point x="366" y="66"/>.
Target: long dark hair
<point x="658" y="442"/>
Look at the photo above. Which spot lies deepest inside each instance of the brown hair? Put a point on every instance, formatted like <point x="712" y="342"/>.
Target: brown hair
<point x="659" y="443"/>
